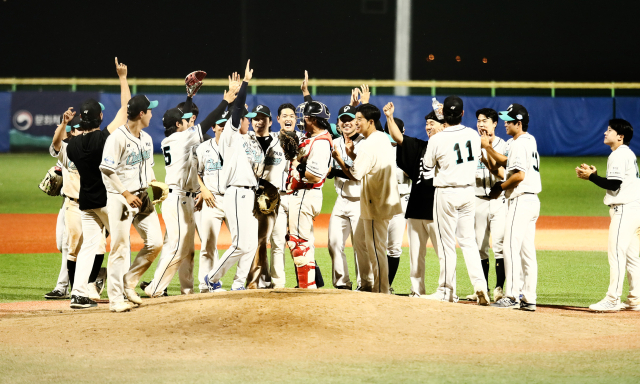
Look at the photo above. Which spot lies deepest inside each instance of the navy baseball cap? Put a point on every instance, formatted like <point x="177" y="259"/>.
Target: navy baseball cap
<point x="347" y="110"/>
<point x="174" y="115"/>
<point x="140" y="103"/>
<point x="91" y="109"/>
<point x="260" y="108"/>
<point x="225" y="116"/>
<point x="74" y="123"/>
<point x="515" y="112"/>
<point x="452" y="106"/>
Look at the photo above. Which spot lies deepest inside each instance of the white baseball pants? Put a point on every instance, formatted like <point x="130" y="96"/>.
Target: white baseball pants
<point x="243" y="226"/>
<point x="185" y="270"/>
<point x="420" y="231"/>
<point x="304" y="206"/>
<point x="93" y="222"/>
<point x="491" y="216"/>
<point x="177" y="212"/>
<point x="342" y="224"/>
<point x="520" y="264"/>
<point x="208" y="226"/>
<point x="121" y="217"/>
<point x="259" y="274"/>
<point x="397" y="225"/>
<point x="623" y="249"/>
<point x="454" y="216"/>
<point x="73" y="229"/>
<point x="63" y="277"/>
<point x="279" y="243"/>
<point x="371" y="248"/>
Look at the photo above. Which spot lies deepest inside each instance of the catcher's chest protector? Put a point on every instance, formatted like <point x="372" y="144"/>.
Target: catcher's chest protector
<point x="305" y="149"/>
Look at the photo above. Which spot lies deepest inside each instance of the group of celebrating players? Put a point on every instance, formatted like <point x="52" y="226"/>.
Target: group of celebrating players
<point x="462" y="184"/>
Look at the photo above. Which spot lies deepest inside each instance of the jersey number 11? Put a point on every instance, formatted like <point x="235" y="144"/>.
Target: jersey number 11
<point x="457" y="149"/>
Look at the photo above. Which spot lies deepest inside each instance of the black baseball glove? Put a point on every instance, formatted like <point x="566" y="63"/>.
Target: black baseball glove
<point x="496" y="190"/>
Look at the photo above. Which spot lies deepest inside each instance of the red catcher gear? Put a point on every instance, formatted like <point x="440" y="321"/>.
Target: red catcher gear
<point x="307" y="276"/>
<point x="193" y="82"/>
<point x="294" y="179"/>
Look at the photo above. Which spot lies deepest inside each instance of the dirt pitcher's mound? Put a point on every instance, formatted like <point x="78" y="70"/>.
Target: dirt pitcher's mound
<point x="291" y="324"/>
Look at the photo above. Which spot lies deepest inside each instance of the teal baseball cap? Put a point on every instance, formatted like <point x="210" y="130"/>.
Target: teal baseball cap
<point x="225" y="116"/>
<point x="347" y="110"/>
<point x="515" y="112"/>
<point x="74" y="123"/>
<point x="174" y="115"/>
<point x="91" y="109"/>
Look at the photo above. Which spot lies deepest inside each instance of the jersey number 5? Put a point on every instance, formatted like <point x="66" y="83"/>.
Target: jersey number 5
<point x="167" y="155"/>
<point x="457" y="149"/>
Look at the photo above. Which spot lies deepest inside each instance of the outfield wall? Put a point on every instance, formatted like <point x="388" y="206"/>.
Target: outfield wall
<point x="563" y="126"/>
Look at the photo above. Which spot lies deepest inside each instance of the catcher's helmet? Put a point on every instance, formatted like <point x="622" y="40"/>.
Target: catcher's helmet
<point x="317" y="109"/>
<point x="300" y="116"/>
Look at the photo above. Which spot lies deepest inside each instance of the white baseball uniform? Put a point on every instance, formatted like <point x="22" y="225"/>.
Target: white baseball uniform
<point x="379" y="202"/>
<point x="624" y="209"/>
<point x="398" y="223"/>
<point x="62" y="283"/>
<point x="263" y="273"/>
<point x="131" y="159"/>
<point x="344" y="216"/>
<point x="177" y="210"/>
<point x="521" y="266"/>
<point x="238" y="180"/>
<point x="210" y="169"/>
<point x="453" y="154"/>
<point x="490" y="214"/>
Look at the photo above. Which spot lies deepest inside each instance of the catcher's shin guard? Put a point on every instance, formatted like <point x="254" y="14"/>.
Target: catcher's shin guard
<point x="298" y="251"/>
<point x="307" y="276"/>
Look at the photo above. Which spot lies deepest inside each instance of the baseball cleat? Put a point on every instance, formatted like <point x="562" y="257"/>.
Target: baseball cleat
<point x="498" y="294"/>
<point x="483" y="297"/>
<point x="93" y="291"/>
<point x="440" y="296"/>
<point x="133" y="296"/>
<point x="236" y="289"/>
<point x="414" y="295"/>
<point x="392" y="291"/>
<point x="473" y="297"/>
<point x="213" y="287"/>
<point x="506" y="302"/>
<point x="527" y="306"/>
<point x="56" y="295"/>
<point x="631" y="305"/>
<point x="122" y="306"/>
<point x="102" y="277"/>
<point x="81" y="302"/>
<point x="606" y="305"/>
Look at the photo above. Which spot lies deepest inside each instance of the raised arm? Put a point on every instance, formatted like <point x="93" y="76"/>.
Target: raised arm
<point x="236" y="115"/>
<point x="305" y="88"/>
<point x="216" y="114"/>
<point x="125" y="96"/>
<point x="394" y="131"/>
<point x="58" y="136"/>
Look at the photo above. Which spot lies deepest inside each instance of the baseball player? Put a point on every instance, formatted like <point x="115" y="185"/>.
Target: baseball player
<point x="71" y="238"/>
<point x="621" y="183"/>
<point x="182" y="180"/>
<point x="86" y="151"/>
<point x="238" y="181"/>
<point x="307" y="175"/>
<point x="398" y="223"/>
<point x="127" y="166"/>
<point x="62" y="288"/>
<point x="379" y="198"/>
<point x="521" y="187"/>
<point x="490" y="213"/>
<point x="419" y="209"/>
<point x="209" y="176"/>
<point x="346" y="211"/>
<point x="453" y="155"/>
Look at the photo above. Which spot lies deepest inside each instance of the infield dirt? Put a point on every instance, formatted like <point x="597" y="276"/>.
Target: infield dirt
<point x="294" y="328"/>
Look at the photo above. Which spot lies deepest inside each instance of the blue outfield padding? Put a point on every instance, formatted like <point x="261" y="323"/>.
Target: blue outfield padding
<point x="5" y="121"/>
<point x="563" y="126"/>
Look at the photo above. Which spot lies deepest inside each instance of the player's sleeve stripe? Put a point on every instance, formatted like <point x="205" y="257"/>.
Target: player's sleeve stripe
<point x="106" y="166"/>
<point x="615" y="178"/>
<point x="517" y="167"/>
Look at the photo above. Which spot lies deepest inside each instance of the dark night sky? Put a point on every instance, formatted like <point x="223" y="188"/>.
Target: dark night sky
<point x="524" y="40"/>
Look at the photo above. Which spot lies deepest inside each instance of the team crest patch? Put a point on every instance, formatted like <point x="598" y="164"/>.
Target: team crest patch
<point x="109" y="160"/>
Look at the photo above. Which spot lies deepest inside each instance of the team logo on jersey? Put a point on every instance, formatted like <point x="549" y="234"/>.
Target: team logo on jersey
<point x="212" y="166"/>
<point x="71" y="166"/>
<point x="270" y="160"/>
<point x="137" y="157"/>
<point x="108" y="160"/>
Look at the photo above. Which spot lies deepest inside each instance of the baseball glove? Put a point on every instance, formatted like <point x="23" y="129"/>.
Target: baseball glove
<point x="496" y="190"/>
<point x="267" y="198"/>
<point x="290" y="144"/>
<point x="193" y="82"/>
<point x="52" y="182"/>
<point x="160" y="191"/>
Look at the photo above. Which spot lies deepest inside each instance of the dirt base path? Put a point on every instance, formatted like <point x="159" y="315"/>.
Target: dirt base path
<point x="554" y="233"/>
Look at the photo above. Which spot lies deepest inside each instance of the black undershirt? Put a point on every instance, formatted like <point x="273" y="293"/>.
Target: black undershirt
<point x="604" y="183"/>
<point x="265" y="142"/>
<point x="409" y="157"/>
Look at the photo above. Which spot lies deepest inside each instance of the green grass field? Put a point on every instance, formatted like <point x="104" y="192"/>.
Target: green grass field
<point x="566" y="278"/>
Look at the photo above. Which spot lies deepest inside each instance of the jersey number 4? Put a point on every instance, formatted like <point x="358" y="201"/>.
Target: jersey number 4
<point x="457" y="149"/>
<point x="167" y="155"/>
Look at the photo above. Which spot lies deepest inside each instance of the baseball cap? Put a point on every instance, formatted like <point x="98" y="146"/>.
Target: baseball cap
<point x="140" y="103"/>
<point x="515" y="112"/>
<point x="91" y="109"/>
<point x="260" y="108"/>
<point x="225" y="116"/>
<point x="399" y="123"/>
<point x="347" y="110"/>
<point x="74" y="123"/>
<point x="452" y="106"/>
<point x="174" y="115"/>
